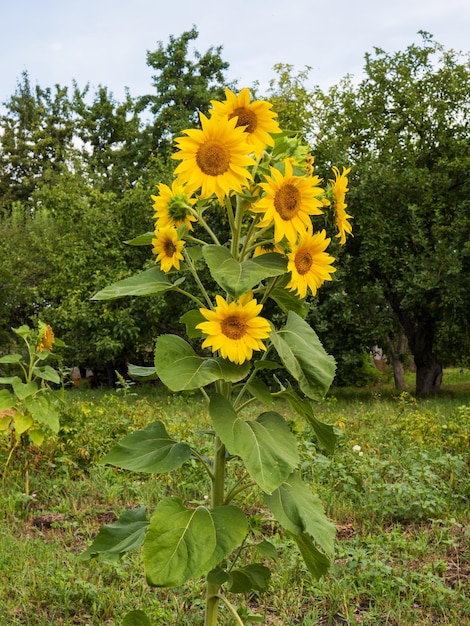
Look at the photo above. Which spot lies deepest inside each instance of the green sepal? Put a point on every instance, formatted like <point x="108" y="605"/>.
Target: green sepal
<point x="148" y="283"/>
<point x="304" y="357"/>
<point x="183" y="543"/>
<point x="237" y="278"/>
<point x="114" y="540"/>
<point x="179" y="368"/>
<point x="266" y="445"/>
<point x="148" y="450"/>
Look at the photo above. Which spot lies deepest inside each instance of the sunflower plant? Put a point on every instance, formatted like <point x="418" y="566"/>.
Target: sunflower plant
<point x="28" y="410"/>
<point x="245" y="223"/>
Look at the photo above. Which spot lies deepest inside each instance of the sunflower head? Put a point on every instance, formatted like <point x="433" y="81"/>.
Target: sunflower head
<point x="214" y="159"/>
<point x="309" y="264"/>
<point x="339" y="190"/>
<point x="173" y="206"/>
<point x="256" y="118"/>
<point x="167" y="246"/>
<point x="46" y="337"/>
<point x="235" y="329"/>
<point x="289" y="201"/>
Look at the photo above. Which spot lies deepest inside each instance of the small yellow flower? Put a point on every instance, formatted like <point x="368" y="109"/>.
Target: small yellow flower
<point x="235" y="328"/>
<point x="289" y="201"/>
<point x="214" y="159"/>
<point x="309" y="264"/>
<point x="46" y="338"/>
<point x="167" y="247"/>
<point x="256" y="117"/>
<point x="340" y="188"/>
<point x="173" y="206"/>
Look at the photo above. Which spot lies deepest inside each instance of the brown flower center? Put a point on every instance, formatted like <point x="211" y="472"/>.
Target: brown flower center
<point x="213" y="158"/>
<point x="245" y="118"/>
<point x="303" y="262"/>
<point x="233" y="327"/>
<point x="287" y="201"/>
<point x="169" y="248"/>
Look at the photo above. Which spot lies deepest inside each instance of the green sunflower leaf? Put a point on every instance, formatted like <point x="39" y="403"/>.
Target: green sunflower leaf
<point x="238" y="278"/>
<point x="183" y="543"/>
<point x="148" y="283"/>
<point x="179" y="368"/>
<point x="7" y="400"/>
<point x="287" y="300"/>
<point x="113" y="540"/>
<point x="266" y="445"/>
<point x="141" y="240"/>
<point x="317" y="563"/>
<point x="148" y="450"/>
<point x="252" y="577"/>
<point x="191" y="319"/>
<point x="304" y="357"/>
<point x="300" y="511"/>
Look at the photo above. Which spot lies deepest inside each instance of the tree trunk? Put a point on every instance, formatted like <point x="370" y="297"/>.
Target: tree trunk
<point x="420" y="334"/>
<point x="397" y="349"/>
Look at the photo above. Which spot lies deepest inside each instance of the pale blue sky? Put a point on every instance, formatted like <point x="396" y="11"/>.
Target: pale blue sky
<point x="105" y="41"/>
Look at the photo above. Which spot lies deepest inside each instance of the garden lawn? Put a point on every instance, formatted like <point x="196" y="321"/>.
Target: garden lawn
<point x="397" y="488"/>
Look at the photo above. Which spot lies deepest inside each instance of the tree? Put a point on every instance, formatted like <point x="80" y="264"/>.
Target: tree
<point x="405" y="130"/>
<point x="36" y="140"/>
<point x="183" y="88"/>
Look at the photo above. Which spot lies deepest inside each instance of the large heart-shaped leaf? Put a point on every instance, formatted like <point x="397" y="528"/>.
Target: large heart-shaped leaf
<point x="11" y="358"/>
<point x="266" y="445"/>
<point x="142" y="372"/>
<point x="148" y="450"/>
<point x="136" y="618"/>
<point x="179" y="367"/>
<point x="47" y="373"/>
<point x="113" y="540"/>
<point x="304" y="357"/>
<point x="7" y="400"/>
<point x="148" y="283"/>
<point x="44" y="412"/>
<point x="23" y="390"/>
<point x="300" y="511"/>
<point x="183" y="543"/>
<point x="239" y="277"/>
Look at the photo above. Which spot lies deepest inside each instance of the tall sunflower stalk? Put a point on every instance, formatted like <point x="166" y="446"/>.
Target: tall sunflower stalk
<point x="246" y="219"/>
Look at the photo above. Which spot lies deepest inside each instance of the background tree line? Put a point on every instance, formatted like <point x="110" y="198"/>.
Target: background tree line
<point x="77" y="170"/>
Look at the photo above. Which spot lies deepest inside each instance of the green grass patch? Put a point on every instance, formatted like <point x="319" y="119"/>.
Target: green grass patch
<point x="397" y="487"/>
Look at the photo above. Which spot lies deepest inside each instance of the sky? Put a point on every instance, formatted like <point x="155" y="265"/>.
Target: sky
<point x="104" y="42"/>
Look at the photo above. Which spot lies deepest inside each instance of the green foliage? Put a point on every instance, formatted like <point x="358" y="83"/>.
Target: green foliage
<point x="410" y="571"/>
<point x="29" y="409"/>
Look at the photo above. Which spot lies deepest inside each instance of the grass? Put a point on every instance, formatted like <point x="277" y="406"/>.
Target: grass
<point x="398" y="489"/>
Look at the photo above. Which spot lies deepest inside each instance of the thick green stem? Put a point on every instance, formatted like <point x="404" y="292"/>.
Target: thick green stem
<point x="217" y="499"/>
